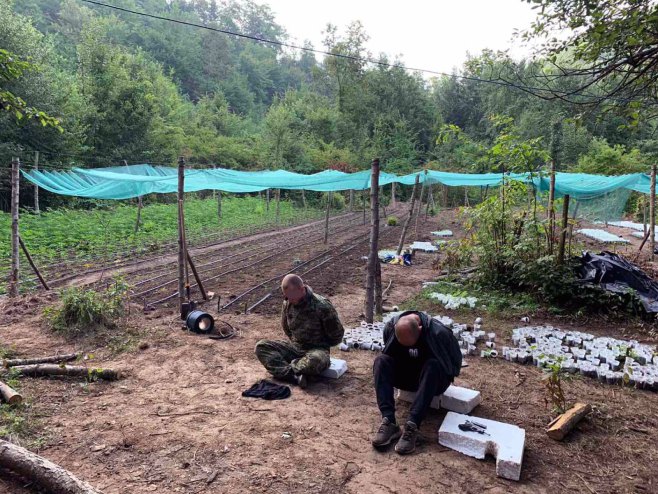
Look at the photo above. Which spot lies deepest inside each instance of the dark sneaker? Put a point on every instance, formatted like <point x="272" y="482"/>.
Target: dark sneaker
<point x="407" y="443"/>
<point x="387" y="433"/>
<point x="302" y="380"/>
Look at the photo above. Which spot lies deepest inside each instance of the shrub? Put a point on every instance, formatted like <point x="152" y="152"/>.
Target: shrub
<point x="391" y="221"/>
<point x="82" y="310"/>
<point x="337" y="202"/>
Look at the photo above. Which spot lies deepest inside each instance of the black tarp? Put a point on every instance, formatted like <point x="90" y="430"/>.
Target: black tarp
<point x="616" y="274"/>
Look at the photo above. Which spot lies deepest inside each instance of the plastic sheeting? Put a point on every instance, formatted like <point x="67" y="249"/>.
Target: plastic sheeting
<point x="615" y="274"/>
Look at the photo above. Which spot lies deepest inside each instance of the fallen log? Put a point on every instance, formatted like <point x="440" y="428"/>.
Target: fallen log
<point x="66" y="370"/>
<point x="9" y="394"/>
<point x="41" y="360"/>
<point x="562" y="424"/>
<point x="51" y="477"/>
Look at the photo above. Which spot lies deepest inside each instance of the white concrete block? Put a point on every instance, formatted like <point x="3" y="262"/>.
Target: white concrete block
<point x="455" y="399"/>
<point x="504" y="441"/>
<point x="337" y="368"/>
<point x="460" y="400"/>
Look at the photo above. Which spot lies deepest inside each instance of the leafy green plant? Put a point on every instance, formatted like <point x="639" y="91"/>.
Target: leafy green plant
<point x="392" y="221"/>
<point x="82" y="310"/>
<point x="553" y="383"/>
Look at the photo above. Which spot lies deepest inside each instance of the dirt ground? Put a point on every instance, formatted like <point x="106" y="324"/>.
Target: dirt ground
<point x="177" y="422"/>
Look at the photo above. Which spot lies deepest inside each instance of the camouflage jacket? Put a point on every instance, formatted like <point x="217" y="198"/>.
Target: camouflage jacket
<point x="313" y="323"/>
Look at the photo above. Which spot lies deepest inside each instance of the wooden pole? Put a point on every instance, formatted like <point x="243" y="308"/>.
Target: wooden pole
<point x="652" y="211"/>
<point x="185" y="267"/>
<point x="573" y="221"/>
<point x="373" y="258"/>
<point x="196" y="275"/>
<point x="36" y="187"/>
<point x="330" y="196"/>
<point x="351" y="200"/>
<point x="219" y="205"/>
<point x="563" y="233"/>
<point x="393" y="200"/>
<point x="278" y="201"/>
<point x="551" y="209"/>
<point x="34" y="266"/>
<point x="430" y="202"/>
<point x="267" y="200"/>
<point x="420" y="204"/>
<point x="181" y="247"/>
<point x="411" y="213"/>
<point x="15" y="261"/>
<point x="363" y="198"/>
<point x="139" y="213"/>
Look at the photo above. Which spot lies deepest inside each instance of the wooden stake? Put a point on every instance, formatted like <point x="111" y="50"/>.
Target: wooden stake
<point x="363" y="197"/>
<point x="219" y="205"/>
<point x="373" y="257"/>
<point x="139" y="213"/>
<point x="15" y="261"/>
<point x="561" y="426"/>
<point x="181" y="245"/>
<point x="411" y="213"/>
<point x="652" y="211"/>
<point x="9" y="394"/>
<point x="563" y="234"/>
<point x="420" y="204"/>
<point x="278" y="201"/>
<point x="34" y="266"/>
<point x="36" y="187"/>
<point x="551" y="209"/>
<point x="330" y="196"/>
<point x="393" y="200"/>
<point x="196" y="275"/>
<point x="267" y="200"/>
<point x="351" y="200"/>
<point x="36" y="469"/>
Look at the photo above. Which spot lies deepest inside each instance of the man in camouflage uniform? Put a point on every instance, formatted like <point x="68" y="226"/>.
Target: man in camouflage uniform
<point x="313" y="326"/>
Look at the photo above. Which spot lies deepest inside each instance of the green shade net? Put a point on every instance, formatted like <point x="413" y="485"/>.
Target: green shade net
<point x="606" y="194"/>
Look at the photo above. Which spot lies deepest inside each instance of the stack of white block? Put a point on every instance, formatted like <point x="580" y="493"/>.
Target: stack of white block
<point x="455" y="398"/>
<point x="504" y="441"/>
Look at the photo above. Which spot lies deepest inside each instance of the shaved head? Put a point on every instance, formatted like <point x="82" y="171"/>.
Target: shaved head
<point x="292" y="280"/>
<point x="407" y="330"/>
<point x="293" y="288"/>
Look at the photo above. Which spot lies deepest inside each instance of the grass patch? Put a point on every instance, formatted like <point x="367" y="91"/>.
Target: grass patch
<point x="501" y="304"/>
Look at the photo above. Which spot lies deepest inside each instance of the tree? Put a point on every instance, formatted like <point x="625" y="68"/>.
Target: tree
<point x="609" y="52"/>
<point x="10" y="69"/>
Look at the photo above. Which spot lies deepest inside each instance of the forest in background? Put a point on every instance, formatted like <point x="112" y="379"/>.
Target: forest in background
<point x="127" y="87"/>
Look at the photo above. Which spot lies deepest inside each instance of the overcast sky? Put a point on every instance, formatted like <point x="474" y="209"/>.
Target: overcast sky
<point x="434" y="35"/>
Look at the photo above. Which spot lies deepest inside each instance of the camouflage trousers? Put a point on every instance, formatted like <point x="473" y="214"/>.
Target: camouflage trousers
<point x="281" y="358"/>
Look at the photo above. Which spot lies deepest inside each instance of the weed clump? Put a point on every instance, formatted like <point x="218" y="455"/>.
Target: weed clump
<point x="391" y="221"/>
<point x="83" y="311"/>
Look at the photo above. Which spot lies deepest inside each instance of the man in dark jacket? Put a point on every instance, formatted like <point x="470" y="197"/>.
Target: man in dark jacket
<point x="421" y="355"/>
<point x="313" y="327"/>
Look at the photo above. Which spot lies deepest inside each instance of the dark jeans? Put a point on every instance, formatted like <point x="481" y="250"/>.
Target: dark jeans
<point x="427" y="383"/>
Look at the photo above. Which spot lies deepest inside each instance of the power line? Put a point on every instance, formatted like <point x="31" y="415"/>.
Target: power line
<point x="380" y="63"/>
